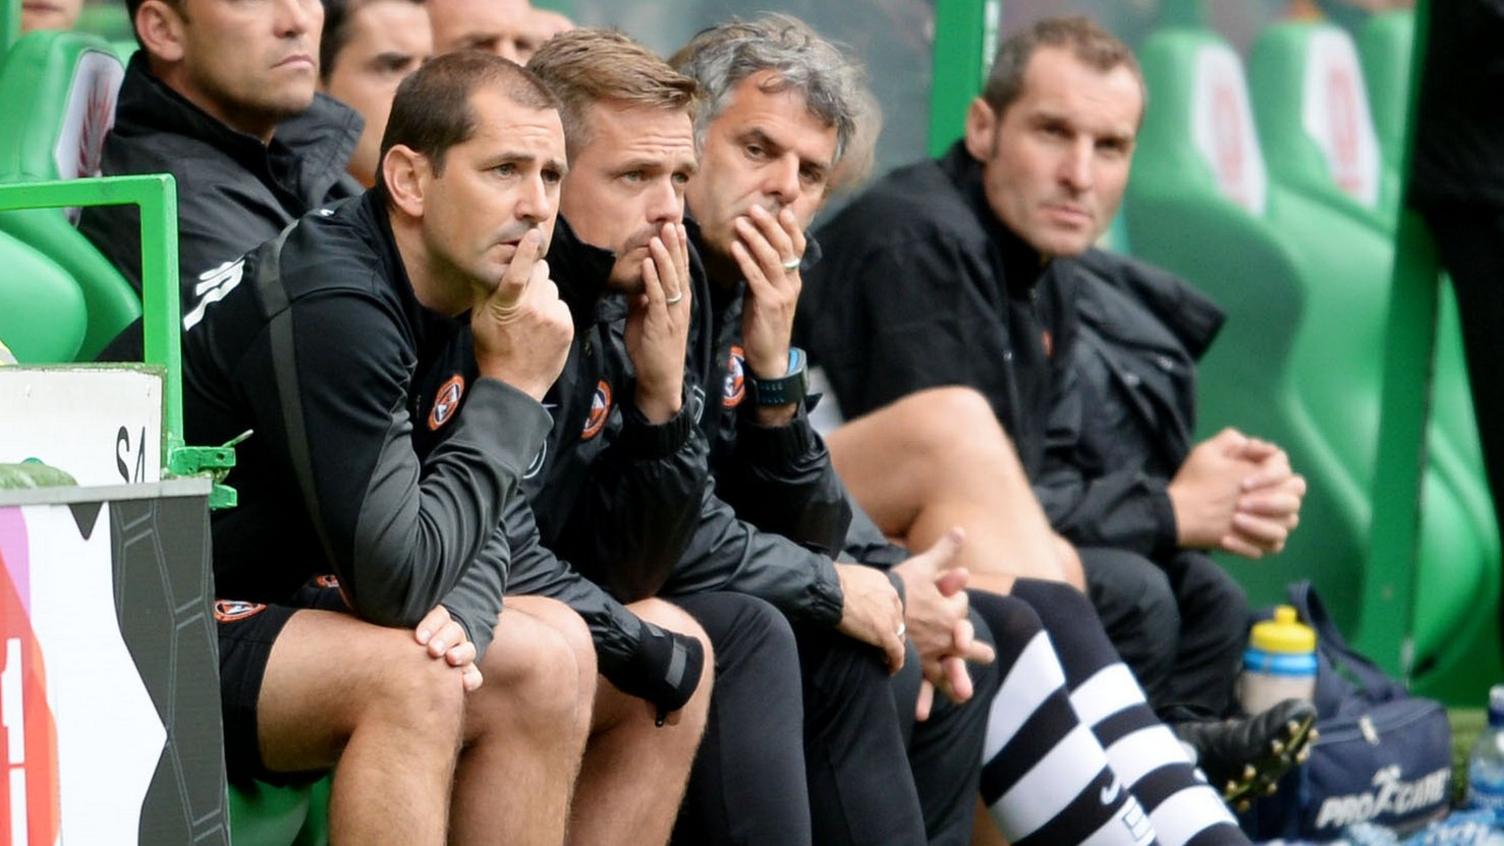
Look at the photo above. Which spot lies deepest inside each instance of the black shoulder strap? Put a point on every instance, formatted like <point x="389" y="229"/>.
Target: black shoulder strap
<point x="276" y="308"/>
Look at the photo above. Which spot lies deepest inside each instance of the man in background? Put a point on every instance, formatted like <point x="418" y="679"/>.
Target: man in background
<point x="368" y="47"/>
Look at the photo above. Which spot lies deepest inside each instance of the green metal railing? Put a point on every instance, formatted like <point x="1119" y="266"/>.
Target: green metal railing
<point x="1409" y="351"/>
<point x="965" y="39"/>
<point x="155" y="195"/>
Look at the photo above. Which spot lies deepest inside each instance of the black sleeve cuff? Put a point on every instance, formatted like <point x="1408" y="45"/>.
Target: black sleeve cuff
<point x="1167" y="530"/>
<point x="825" y="598"/>
<point x="777" y="445"/>
<point x="643" y="440"/>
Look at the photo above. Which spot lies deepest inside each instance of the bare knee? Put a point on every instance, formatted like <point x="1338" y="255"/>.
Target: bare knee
<point x="532" y="675"/>
<point x="563" y="620"/>
<point x="1069" y="561"/>
<point x="408" y="690"/>
<point x="952" y="427"/>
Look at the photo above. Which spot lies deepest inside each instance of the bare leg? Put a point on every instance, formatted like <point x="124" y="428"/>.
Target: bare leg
<point x="525" y="730"/>
<point x="634" y="771"/>
<point x="340" y="690"/>
<point x="984" y="829"/>
<point x="937" y="459"/>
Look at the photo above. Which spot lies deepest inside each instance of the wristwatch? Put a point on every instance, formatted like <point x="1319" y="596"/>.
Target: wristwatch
<point x="785" y="390"/>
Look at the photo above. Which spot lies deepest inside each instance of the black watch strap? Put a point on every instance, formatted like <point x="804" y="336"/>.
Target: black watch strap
<point x="785" y="390"/>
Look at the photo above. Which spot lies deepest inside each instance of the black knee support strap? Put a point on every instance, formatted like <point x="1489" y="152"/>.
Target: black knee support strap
<point x="665" y="669"/>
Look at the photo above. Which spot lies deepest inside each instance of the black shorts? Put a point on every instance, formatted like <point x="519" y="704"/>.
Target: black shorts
<point x="247" y="631"/>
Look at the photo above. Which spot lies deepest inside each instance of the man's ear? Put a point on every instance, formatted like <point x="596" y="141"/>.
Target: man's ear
<point x="160" y="26"/>
<point x="406" y="173"/>
<point x="981" y="128"/>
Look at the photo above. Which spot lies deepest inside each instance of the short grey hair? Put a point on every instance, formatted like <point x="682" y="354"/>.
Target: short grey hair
<point x="832" y="81"/>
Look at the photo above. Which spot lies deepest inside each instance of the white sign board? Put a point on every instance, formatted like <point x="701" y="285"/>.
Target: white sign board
<point x="1223" y="130"/>
<point x="1336" y="115"/>
<point x="81" y="736"/>
<point x="101" y="426"/>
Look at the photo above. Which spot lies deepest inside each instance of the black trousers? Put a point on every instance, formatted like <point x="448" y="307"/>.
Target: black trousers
<point x="748" y="783"/>
<point x="1180" y="625"/>
<point x="945" y="751"/>
<point x="862" y="791"/>
<point x="803" y="744"/>
<point x="1470" y="240"/>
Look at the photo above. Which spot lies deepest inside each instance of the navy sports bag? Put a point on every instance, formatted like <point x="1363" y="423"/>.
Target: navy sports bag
<point x="1383" y="756"/>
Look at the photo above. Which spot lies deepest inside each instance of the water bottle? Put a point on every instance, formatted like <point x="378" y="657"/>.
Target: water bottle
<point x="1485" y="764"/>
<point x="1279" y="664"/>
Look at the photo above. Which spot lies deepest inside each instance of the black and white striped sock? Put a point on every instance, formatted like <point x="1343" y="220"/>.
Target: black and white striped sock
<point x="1184" y="809"/>
<point x="1045" y="776"/>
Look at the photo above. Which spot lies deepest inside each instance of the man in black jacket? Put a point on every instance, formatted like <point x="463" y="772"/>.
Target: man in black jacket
<point x="208" y="98"/>
<point x="782" y="109"/>
<point x="937" y="277"/>
<point x="311" y="351"/>
<point x="1119" y="434"/>
<point x="368" y="47"/>
<point x="633" y="282"/>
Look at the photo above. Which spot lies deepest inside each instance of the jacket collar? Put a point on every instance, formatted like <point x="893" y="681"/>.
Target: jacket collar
<point x="1186" y="313"/>
<point x="431" y="331"/>
<point x="580" y="270"/>
<point x="1023" y="266"/>
<point x="305" y="157"/>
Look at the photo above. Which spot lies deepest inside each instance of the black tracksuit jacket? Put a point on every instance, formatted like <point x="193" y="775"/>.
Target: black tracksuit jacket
<point x="1125" y="416"/>
<point x="610" y="499"/>
<point x="317" y="353"/>
<point x="922" y="287"/>
<point x="773" y="515"/>
<point x="233" y="191"/>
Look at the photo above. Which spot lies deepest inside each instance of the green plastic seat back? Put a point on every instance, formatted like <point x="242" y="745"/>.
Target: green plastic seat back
<point x="65" y="83"/>
<point x="1304" y="278"/>
<point x="109" y="21"/>
<point x="1311" y="104"/>
<point x="267" y="815"/>
<point x="42" y="312"/>
<point x="1200" y="204"/>
<point x="1309" y="92"/>
<point x="1385" y="42"/>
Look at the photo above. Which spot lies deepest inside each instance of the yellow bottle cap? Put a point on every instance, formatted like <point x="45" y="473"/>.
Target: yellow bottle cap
<point x="1284" y="634"/>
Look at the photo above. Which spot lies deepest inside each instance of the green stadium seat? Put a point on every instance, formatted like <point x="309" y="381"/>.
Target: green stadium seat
<point x="42" y="313"/>
<point x="65" y="83"/>
<point x="1310" y="100"/>
<point x="1298" y="361"/>
<point x="1384" y="44"/>
<point x="109" y="21"/>
<point x="1311" y="104"/>
<point x="263" y="815"/>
